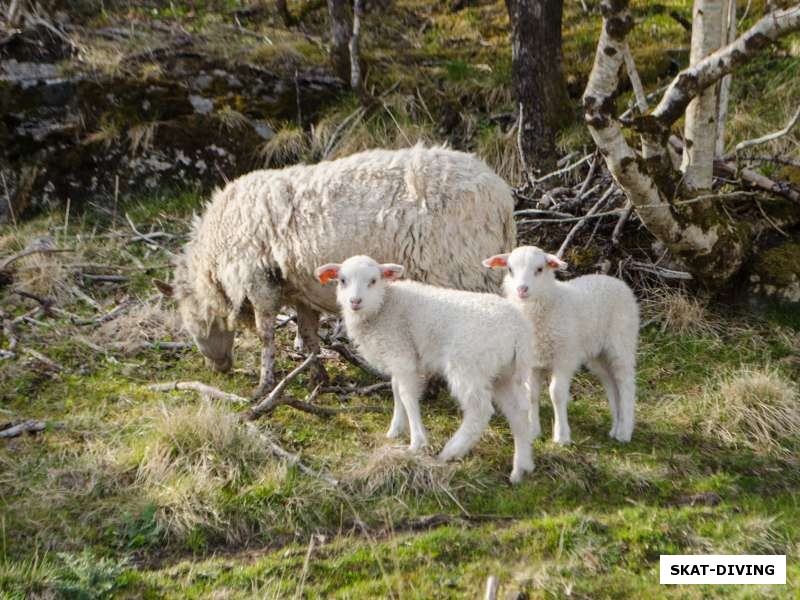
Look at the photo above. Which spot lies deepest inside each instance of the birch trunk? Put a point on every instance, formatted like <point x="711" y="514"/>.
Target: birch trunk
<point x="701" y="117"/>
<point x="729" y="21"/>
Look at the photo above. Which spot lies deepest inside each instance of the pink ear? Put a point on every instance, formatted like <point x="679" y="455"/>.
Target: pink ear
<point x="327" y="272"/>
<point x="555" y="263"/>
<point x="497" y="261"/>
<point x="391" y="271"/>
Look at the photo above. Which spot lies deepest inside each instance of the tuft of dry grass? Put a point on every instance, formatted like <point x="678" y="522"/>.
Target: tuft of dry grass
<point x="288" y="146"/>
<point x="139" y="326"/>
<point x="44" y="274"/>
<point x="752" y="407"/>
<point x="678" y="312"/>
<point x="231" y="119"/>
<point x="196" y="452"/>
<point x="141" y="137"/>
<point x="397" y="471"/>
<point x="499" y="150"/>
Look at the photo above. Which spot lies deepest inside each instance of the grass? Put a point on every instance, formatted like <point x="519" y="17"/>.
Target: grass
<point x="131" y="492"/>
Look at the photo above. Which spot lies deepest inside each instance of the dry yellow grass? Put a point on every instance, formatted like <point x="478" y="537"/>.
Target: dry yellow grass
<point x="139" y="326"/>
<point x="752" y="407"/>
<point x="678" y="312"/>
<point x="289" y="145"/>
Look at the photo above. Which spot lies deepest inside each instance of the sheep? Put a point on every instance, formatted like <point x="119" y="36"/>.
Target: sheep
<point x="258" y="241"/>
<point x="591" y="320"/>
<point x="480" y="343"/>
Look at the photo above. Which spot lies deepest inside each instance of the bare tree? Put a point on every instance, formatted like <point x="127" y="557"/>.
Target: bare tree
<point x="697" y="232"/>
<point x="539" y="83"/>
<point x="355" y="57"/>
<point x="341" y="24"/>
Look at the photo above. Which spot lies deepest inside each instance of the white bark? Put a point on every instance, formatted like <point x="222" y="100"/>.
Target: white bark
<point x="728" y="19"/>
<point x="700" y="131"/>
<point x="355" y="66"/>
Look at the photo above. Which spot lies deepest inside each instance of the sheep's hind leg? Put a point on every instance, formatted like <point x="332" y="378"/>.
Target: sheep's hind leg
<point x="308" y="328"/>
<point x="266" y="333"/>
<point x="534" y="390"/>
<point x="625" y="377"/>
<point x="599" y="367"/>
<point x="476" y="403"/>
<point x="399" y="424"/>
<point x="510" y="397"/>
<point x="559" y="395"/>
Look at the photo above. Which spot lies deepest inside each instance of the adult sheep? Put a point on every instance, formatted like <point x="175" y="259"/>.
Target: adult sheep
<point x="256" y="246"/>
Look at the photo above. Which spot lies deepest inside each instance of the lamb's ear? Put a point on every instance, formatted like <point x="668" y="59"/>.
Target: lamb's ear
<point x="555" y="263"/>
<point x="328" y="272"/>
<point x="164" y="288"/>
<point x="391" y="271"/>
<point x="498" y="261"/>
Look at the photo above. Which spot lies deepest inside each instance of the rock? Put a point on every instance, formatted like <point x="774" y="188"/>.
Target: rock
<point x="775" y="272"/>
<point x="193" y="121"/>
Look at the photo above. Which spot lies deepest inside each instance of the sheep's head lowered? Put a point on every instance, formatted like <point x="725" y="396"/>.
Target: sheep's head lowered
<point x="203" y="313"/>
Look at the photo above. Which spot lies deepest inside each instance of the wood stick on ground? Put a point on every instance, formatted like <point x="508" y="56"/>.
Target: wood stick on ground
<point x="43" y="359"/>
<point x="7" y="262"/>
<point x="579" y="225"/>
<point x="199" y="387"/>
<point x="275" y="397"/>
<point x="109" y="316"/>
<point x="30" y="426"/>
<point x="357" y="391"/>
<point x="347" y="354"/>
<point x="308" y="406"/>
<point x="291" y="458"/>
<point x="564" y="170"/>
<point x="770" y="136"/>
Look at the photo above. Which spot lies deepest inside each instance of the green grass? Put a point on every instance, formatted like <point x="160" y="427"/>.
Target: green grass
<point x="136" y="493"/>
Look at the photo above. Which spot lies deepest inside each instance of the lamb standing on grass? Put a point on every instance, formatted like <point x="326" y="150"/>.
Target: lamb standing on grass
<point x="592" y="320"/>
<point x="257" y="244"/>
<point x="480" y="343"/>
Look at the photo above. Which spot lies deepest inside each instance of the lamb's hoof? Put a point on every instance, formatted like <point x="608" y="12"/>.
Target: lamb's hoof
<point x="563" y="440"/>
<point x="419" y="447"/>
<point x="621" y="437"/>
<point x="518" y="474"/>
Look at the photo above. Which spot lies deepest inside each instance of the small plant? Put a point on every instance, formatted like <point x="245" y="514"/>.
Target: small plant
<point x="86" y="576"/>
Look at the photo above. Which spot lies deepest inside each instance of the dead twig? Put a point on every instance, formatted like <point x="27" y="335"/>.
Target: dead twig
<point x="275" y="397"/>
<point x="347" y="354"/>
<point x="43" y="359"/>
<point x="4" y="266"/>
<point x="579" y="225"/>
<point x="357" y="391"/>
<point x="10" y="430"/>
<point x="770" y="136"/>
<point x="199" y="387"/>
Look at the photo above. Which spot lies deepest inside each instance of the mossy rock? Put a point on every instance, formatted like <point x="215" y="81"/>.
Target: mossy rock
<point x="776" y="272"/>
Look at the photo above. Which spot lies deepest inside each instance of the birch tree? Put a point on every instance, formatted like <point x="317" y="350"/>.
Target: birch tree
<point x="697" y="232"/>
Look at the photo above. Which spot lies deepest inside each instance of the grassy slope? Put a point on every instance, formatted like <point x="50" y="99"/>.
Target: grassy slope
<point x="172" y="513"/>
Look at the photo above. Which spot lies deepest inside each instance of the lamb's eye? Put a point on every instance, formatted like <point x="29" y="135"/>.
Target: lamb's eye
<point x="510" y="271"/>
<point x="539" y="270"/>
<point x="343" y="282"/>
<point x="372" y="282"/>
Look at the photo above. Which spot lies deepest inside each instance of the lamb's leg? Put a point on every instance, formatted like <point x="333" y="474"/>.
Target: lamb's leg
<point x="266" y="333"/>
<point x="399" y="423"/>
<point x="510" y="397"/>
<point x="625" y="377"/>
<point x="559" y="395"/>
<point x="409" y="388"/>
<point x="600" y="368"/>
<point x="308" y="328"/>
<point x="476" y="402"/>
<point x="534" y="390"/>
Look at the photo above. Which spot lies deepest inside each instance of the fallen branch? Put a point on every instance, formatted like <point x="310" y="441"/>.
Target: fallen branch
<point x="770" y="136"/>
<point x="199" y="387"/>
<point x="579" y="225"/>
<point x="43" y="359"/>
<point x="4" y="266"/>
<point x="352" y="358"/>
<point x="8" y="430"/>
<point x="357" y="391"/>
<point x="564" y="170"/>
<point x="109" y="316"/>
<point x="291" y="458"/>
<point x="275" y="397"/>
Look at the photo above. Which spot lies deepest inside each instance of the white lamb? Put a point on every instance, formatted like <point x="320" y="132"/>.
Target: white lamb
<point x="591" y="320"/>
<point x="480" y="343"/>
<point x="255" y="248"/>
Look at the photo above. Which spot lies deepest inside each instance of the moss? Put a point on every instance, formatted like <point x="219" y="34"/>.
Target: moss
<point x="780" y="265"/>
